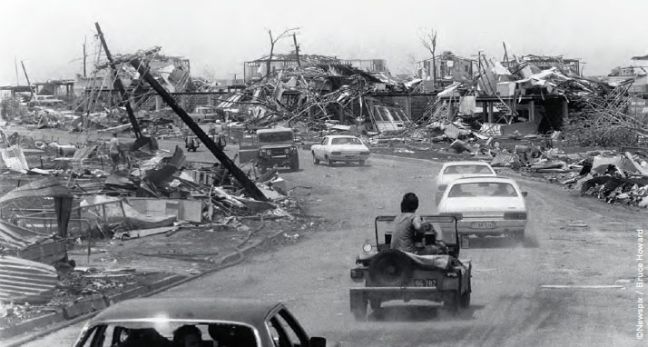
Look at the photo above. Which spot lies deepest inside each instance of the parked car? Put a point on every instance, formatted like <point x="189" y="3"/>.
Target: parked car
<point x="450" y="171"/>
<point x="276" y="147"/>
<point x="221" y="322"/>
<point x="204" y="114"/>
<point x="434" y="273"/>
<point x="488" y="206"/>
<point x="340" y="148"/>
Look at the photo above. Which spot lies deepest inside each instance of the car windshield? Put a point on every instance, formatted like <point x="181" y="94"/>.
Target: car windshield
<point x="276" y="137"/>
<point x="175" y="333"/>
<point x="346" y="141"/>
<point x="467" y="169"/>
<point x="482" y="189"/>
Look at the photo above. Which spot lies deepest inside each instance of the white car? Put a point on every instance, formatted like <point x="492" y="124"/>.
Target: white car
<point x="488" y="206"/>
<point x="340" y="148"/>
<point x="453" y="170"/>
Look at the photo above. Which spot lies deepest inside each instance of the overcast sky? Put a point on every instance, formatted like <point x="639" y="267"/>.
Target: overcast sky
<point x="218" y="36"/>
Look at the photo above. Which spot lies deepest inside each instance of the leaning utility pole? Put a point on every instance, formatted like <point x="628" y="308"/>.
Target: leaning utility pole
<point x="31" y="91"/>
<point x="296" y="49"/>
<point x="84" y="58"/>
<point x="120" y="86"/>
<point x="228" y="163"/>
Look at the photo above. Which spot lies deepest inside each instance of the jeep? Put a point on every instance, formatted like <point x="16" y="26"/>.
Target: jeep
<point x="433" y="273"/>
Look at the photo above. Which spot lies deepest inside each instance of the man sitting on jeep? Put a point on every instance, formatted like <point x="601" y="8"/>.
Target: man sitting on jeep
<point x="410" y="231"/>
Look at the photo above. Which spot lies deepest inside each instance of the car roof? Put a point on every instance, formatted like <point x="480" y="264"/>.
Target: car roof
<point x="273" y="130"/>
<point x="465" y="162"/>
<point x="484" y="179"/>
<point x="251" y="312"/>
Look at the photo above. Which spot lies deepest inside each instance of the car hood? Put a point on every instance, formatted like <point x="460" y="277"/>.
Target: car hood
<point x="482" y="204"/>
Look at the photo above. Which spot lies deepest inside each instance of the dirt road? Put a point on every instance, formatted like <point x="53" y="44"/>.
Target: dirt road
<point x="509" y="306"/>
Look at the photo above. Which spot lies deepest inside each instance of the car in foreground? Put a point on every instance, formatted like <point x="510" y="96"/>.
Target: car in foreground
<point x="453" y="170"/>
<point x="434" y="273"/>
<point x="340" y="148"/>
<point x="488" y="206"/>
<point x="154" y="322"/>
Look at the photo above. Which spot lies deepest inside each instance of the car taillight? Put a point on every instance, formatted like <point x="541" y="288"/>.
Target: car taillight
<point x="515" y="215"/>
<point x="357" y="274"/>
<point x="336" y="153"/>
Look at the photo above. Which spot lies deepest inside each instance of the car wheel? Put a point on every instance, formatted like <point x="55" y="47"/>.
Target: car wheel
<point x="464" y="300"/>
<point x="315" y="160"/>
<point x="518" y="236"/>
<point x="358" y="306"/>
<point x="375" y="304"/>
<point x="451" y="302"/>
<point x="362" y="162"/>
<point x="329" y="162"/>
<point x="294" y="165"/>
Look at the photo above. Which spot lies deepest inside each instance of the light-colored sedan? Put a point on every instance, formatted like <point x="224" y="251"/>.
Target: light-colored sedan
<point x="488" y="206"/>
<point x="453" y="170"/>
<point x="340" y="148"/>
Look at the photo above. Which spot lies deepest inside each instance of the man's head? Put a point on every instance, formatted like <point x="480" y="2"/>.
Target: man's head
<point x="187" y="336"/>
<point x="409" y="203"/>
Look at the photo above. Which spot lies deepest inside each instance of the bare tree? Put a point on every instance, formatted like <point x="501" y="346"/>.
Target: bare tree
<point x="273" y="41"/>
<point x="429" y="41"/>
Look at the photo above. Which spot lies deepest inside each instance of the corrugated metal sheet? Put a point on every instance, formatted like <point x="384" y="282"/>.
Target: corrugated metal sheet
<point x="15" y="237"/>
<point x="51" y="186"/>
<point x="24" y="280"/>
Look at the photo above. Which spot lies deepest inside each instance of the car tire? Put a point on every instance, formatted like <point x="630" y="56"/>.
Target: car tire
<point x="451" y="302"/>
<point x="294" y="164"/>
<point x="362" y="163"/>
<point x="375" y="304"/>
<point x="518" y="236"/>
<point x="329" y="162"/>
<point x="315" y="160"/>
<point x="464" y="300"/>
<point x="358" y="305"/>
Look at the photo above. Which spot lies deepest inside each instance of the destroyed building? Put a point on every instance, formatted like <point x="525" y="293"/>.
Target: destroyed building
<point x="256" y="69"/>
<point x="449" y="68"/>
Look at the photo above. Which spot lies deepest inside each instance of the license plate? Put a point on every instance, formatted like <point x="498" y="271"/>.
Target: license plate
<point x="482" y="225"/>
<point x="425" y="283"/>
